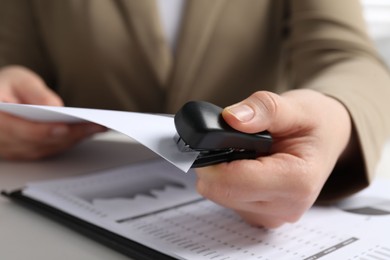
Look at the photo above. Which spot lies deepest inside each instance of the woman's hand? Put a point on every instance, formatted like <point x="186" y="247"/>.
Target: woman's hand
<point x="310" y="132"/>
<point x="23" y="139"/>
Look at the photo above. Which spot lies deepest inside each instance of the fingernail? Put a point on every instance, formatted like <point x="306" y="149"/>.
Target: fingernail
<point x="242" y="112"/>
<point x="59" y="131"/>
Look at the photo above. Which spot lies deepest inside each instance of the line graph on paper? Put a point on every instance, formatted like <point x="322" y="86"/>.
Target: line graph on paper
<point x="138" y="197"/>
<point x="152" y="188"/>
<point x="127" y="192"/>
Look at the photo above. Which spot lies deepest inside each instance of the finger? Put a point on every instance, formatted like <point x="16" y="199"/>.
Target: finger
<point x="262" y="194"/>
<point x="267" y="221"/>
<point x="54" y="145"/>
<point x="23" y="139"/>
<point x="32" y="150"/>
<point x="6" y="97"/>
<point x="19" y="129"/>
<point x="21" y="85"/>
<point x="33" y="90"/>
<point x="54" y="133"/>
<point x="262" y="179"/>
<point x="282" y="211"/>
<point x="82" y="130"/>
<point x="280" y="177"/>
<point x="263" y="111"/>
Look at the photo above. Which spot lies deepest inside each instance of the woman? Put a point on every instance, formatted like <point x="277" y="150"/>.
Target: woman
<point x="304" y="70"/>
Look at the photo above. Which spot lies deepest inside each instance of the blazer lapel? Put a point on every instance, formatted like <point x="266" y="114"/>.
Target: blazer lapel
<point x="144" y="23"/>
<point x="198" y="23"/>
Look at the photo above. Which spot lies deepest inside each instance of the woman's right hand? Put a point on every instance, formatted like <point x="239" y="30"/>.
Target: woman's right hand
<point x="22" y="139"/>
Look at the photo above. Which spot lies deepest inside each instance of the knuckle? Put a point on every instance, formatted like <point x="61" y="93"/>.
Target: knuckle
<point x="18" y="131"/>
<point x="201" y="188"/>
<point x="308" y="190"/>
<point x="304" y="184"/>
<point x="266" y="101"/>
<point x="41" y="152"/>
<point x="35" y="134"/>
<point x="20" y="153"/>
<point x="292" y="218"/>
<point x="302" y="198"/>
<point x="261" y="220"/>
<point x="273" y="223"/>
<point x="205" y="190"/>
<point x="215" y="192"/>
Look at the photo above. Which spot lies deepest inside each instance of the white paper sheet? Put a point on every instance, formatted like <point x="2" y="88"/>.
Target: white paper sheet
<point x="153" y="205"/>
<point x="156" y="132"/>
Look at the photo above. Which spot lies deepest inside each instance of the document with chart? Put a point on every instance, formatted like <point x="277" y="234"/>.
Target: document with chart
<point x="156" y="205"/>
<point x="154" y="131"/>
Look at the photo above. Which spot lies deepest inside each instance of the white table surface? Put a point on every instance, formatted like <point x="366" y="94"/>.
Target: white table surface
<point x="25" y="234"/>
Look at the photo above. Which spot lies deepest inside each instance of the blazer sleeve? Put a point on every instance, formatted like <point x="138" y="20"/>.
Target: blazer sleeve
<point x="330" y="51"/>
<point x="20" y="41"/>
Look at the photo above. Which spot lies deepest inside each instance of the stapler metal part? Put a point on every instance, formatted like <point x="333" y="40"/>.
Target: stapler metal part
<point x="200" y="127"/>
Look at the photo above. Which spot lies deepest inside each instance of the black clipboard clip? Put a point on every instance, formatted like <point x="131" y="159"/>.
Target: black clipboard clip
<point x="200" y="127"/>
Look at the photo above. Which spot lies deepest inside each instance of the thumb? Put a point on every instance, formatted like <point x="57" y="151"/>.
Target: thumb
<point x="33" y="90"/>
<point x="261" y="111"/>
<point x="21" y="85"/>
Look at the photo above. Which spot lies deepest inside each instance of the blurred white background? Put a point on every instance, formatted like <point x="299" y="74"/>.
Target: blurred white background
<point x="377" y="13"/>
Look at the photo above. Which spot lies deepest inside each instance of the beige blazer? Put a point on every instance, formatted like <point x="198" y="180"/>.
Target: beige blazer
<point x="112" y="54"/>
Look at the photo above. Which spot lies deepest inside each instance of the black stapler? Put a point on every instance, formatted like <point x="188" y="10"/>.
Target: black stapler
<point x="200" y="127"/>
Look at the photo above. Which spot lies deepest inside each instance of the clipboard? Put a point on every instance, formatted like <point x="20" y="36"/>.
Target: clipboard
<point x="116" y="242"/>
<point x="201" y="229"/>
